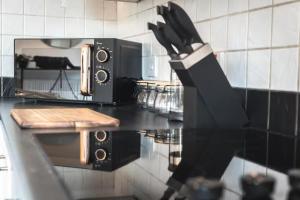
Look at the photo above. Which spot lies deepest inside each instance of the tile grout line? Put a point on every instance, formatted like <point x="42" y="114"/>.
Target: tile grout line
<point x="298" y="88"/>
<point x="247" y="58"/>
<point x="270" y="70"/>
<point x="1" y="57"/>
<point x="269" y="91"/>
<point x="227" y="37"/>
<point x="45" y="18"/>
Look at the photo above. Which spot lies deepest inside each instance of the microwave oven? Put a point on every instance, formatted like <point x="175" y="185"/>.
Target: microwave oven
<point x="98" y="70"/>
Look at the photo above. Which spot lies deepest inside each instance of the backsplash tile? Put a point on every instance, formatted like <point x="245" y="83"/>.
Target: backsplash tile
<point x="13" y="6"/>
<point x="236" y="68"/>
<point x="284" y="71"/>
<point x="237" y="5"/>
<point x="74" y="27"/>
<point x="283" y="112"/>
<point x="286" y="27"/>
<point x="203" y="9"/>
<point x="281" y="154"/>
<point x="237" y="31"/>
<point x="219" y="7"/>
<point x="54" y="9"/>
<point x="55" y="27"/>
<point x="94" y="9"/>
<point x="34" y="7"/>
<point x="257" y="108"/>
<point x="75" y="8"/>
<point x="259" y="3"/>
<point x="109" y="10"/>
<point x="204" y="30"/>
<point x="34" y="26"/>
<point x="258" y="74"/>
<point x="8" y="44"/>
<point x="12" y="24"/>
<point x="219" y="41"/>
<point x="52" y="18"/>
<point x="260" y="23"/>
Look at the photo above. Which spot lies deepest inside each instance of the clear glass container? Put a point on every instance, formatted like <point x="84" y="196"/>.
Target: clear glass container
<point x="163" y="99"/>
<point x="176" y="103"/>
<point x="151" y="96"/>
<point x="142" y="93"/>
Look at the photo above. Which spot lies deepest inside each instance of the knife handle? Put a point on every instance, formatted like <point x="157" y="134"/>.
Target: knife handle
<point x="173" y="38"/>
<point x="162" y="40"/>
<point x="185" y="22"/>
<point x="164" y="12"/>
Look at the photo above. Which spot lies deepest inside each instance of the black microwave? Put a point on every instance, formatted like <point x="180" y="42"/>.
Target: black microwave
<point x="99" y="70"/>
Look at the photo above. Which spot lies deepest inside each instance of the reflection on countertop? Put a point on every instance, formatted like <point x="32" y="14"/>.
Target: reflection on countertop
<point x="169" y="157"/>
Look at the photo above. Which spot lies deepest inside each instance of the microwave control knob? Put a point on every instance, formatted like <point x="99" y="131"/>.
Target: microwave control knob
<point x="102" y="56"/>
<point x="101" y="136"/>
<point x="102" y="76"/>
<point x="100" y="154"/>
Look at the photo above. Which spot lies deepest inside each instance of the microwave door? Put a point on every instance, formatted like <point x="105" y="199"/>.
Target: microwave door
<point x="86" y="71"/>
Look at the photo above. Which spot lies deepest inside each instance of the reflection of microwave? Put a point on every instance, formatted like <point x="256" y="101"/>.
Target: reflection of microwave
<point x="102" y="150"/>
<point x="96" y="70"/>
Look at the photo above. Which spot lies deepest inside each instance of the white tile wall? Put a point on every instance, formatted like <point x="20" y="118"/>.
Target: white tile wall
<point x="259" y="3"/>
<point x="236" y="68"/>
<point x="257" y="41"/>
<point x="237" y="31"/>
<point x="259" y="69"/>
<point x="260" y="23"/>
<point x="230" y="26"/>
<point x="34" y="25"/>
<point x="49" y="18"/>
<point x="219" y="7"/>
<point x="286" y="25"/>
<point x="34" y="7"/>
<point x="284" y="71"/>
<point x="203" y="9"/>
<point x="218" y="40"/>
<point x="12" y="6"/>
<point x="237" y="5"/>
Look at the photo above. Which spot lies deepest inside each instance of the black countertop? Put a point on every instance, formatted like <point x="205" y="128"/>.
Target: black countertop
<point x="214" y="154"/>
<point x="37" y="175"/>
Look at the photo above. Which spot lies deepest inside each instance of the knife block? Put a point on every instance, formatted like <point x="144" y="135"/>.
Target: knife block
<point x="209" y="100"/>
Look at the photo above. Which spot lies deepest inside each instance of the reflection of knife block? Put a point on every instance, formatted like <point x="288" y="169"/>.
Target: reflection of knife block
<point x="209" y="100"/>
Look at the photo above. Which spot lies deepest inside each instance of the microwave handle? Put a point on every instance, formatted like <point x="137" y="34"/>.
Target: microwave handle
<point x="84" y="147"/>
<point x="86" y="72"/>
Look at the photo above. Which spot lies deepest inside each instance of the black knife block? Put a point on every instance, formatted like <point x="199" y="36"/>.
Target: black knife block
<point x="209" y="100"/>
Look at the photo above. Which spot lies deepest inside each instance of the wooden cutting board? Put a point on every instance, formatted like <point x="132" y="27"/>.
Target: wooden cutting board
<point x="62" y="118"/>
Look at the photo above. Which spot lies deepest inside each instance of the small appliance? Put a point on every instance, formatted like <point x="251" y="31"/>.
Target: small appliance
<point x="99" y="70"/>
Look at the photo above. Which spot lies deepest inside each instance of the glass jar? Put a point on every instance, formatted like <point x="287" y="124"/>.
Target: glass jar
<point x="152" y="96"/>
<point x="176" y="103"/>
<point x="163" y="100"/>
<point x="142" y="93"/>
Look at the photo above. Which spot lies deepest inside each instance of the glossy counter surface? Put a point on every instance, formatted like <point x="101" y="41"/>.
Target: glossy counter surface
<point x="157" y="173"/>
<point x="31" y="165"/>
<point x="150" y="158"/>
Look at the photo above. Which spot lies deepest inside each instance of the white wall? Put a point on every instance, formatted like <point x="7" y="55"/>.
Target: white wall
<point x="49" y="18"/>
<point x="257" y="41"/>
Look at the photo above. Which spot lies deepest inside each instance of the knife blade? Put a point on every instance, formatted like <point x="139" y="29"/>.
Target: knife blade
<point x="184" y="22"/>
<point x="162" y="40"/>
<point x="173" y="38"/>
